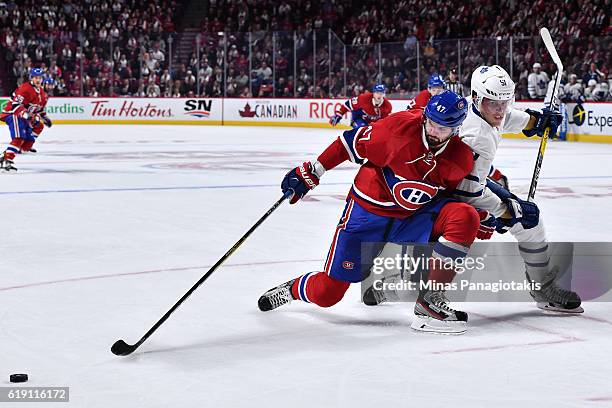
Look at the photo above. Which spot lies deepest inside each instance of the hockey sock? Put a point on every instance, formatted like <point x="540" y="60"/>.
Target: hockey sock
<point x="319" y="288"/>
<point x="27" y="145"/>
<point x="13" y="148"/>
<point x="536" y="258"/>
<point x="456" y="226"/>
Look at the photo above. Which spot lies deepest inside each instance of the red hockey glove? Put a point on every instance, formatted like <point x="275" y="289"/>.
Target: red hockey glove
<point x="487" y="225"/>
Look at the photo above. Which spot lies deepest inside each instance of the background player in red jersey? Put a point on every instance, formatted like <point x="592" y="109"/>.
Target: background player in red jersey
<point x="366" y="108"/>
<point x="409" y="162"/>
<point x="22" y="113"/>
<point x="48" y="85"/>
<point x="435" y="86"/>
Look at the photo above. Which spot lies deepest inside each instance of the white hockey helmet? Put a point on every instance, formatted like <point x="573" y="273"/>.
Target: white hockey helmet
<point x="493" y="83"/>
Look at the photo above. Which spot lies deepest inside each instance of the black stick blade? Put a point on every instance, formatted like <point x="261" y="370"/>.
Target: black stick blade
<point x="121" y="348"/>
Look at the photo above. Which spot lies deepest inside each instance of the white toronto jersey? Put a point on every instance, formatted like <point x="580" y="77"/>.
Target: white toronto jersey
<point x="537" y="85"/>
<point x="484" y="140"/>
<point x="573" y="90"/>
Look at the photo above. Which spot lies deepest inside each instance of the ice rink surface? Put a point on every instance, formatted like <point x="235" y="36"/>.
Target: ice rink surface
<point x="108" y="226"/>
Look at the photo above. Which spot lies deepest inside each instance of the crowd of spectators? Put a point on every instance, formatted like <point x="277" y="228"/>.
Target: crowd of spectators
<point x="402" y="43"/>
<point x="313" y="48"/>
<point x="371" y="21"/>
<point x="119" y="46"/>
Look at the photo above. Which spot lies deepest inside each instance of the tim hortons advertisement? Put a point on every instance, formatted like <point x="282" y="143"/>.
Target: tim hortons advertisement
<point x="135" y="110"/>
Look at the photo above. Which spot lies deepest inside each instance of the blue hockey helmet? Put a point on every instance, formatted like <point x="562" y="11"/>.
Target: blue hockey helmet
<point x="36" y="72"/>
<point x="379" y="88"/>
<point x="447" y="109"/>
<point x="48" y="80"/>
<point x="436" y="80"/>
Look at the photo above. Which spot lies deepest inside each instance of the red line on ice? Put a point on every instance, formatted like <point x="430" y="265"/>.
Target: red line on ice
<point x="185" y="268"/>
<point x="599" y="399"/>
<point x="489" y="348"/>
<point x="564" y="338"/>
<point x="596" y="319"/>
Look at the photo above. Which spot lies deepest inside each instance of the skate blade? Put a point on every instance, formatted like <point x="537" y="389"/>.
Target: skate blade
<point x="431" y="325"/>
<point x="550" y="308"/>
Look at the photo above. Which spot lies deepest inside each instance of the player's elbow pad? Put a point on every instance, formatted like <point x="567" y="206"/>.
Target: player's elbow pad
<point x="349" y="143"/>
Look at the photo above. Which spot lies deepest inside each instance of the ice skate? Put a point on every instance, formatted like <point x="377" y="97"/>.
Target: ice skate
<point x="276" y="297"/>
<point x="7" y="164"/>
<point x="552" y="297"/>
<point x="433" y="314"/>
<point x="373" y="297"/>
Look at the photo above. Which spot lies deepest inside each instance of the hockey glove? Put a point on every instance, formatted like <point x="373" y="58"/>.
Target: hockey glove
<point x="24" y="115"/>
<point x="334" y="120"/>
<point x="545" y="119"/>
<point x="46" y="120"/>
<point x="35" y="120"/>
<point x="487" y="225"/>
<point x="300" y="181"/>
<point x="525" y="212"/>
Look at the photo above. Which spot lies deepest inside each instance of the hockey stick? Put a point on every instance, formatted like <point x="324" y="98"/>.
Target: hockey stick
<point x="550" y="47"/>
<point x="121" y="348"/>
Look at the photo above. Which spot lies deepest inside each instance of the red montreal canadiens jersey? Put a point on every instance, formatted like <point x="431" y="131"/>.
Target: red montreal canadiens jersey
<point x="419" y="101"/>
<point x="25" y="98"/>
<point x="399" y="173"/>
<point x="364" y="103"/>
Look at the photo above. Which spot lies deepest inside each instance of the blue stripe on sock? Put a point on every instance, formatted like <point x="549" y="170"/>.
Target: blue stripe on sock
<point x="533" y="251"/>
<point x="302" y="288"/>
<point x="448" y="252"/>
<point x="537" y="265"/>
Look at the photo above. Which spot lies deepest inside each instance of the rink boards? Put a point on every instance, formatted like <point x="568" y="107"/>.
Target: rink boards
<point x="589" y="122"/>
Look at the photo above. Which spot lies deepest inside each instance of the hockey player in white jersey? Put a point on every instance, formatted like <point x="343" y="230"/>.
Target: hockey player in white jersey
<point x="537" y="82"/>
<point x="490" y="115"/>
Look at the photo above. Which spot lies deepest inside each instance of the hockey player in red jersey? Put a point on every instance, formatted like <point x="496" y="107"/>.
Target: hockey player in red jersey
<point x="366" y="108"/>
<point x="24" y="112"/>
<point x="435" y="86"/>
<point x="410" y="162"/>
<point x="48" y="85"/>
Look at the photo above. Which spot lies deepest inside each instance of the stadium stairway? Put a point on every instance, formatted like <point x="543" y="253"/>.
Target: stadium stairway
<point x="189" y="27"/>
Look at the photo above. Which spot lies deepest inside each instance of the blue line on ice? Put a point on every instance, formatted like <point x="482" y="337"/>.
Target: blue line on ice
<point x="99" y="190"/>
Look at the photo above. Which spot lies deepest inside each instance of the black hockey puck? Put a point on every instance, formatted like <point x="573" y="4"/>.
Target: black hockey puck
<point x="18" y="378"/>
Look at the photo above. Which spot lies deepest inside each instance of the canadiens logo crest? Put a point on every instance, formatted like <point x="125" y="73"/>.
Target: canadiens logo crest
<point x="412" y="195"/>
<point x="348" y="265"/>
